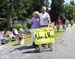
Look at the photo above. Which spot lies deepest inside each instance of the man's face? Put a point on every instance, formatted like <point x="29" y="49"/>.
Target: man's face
<point x="43" y="10"/>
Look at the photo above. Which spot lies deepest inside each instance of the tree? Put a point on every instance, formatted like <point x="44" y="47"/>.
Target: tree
<point x="12" y="8"/>
<point x="56" y="9"/>
<point x="72" y="2"/>
<point x="69" y="10"/>
<point x="22" y="7"/>
<point x="38" y="3"/>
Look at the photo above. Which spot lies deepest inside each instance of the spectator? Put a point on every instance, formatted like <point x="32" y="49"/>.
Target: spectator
<point x="15" y="31"/>
<point x="19" y="37"/>
<point x="59" y="23"/>
<point x="2" y="39"/>
<point x="63" y="23"/>
<point x="72" y="22"/>
<point x="11" y="35"/>
<point x="67" y="22"/>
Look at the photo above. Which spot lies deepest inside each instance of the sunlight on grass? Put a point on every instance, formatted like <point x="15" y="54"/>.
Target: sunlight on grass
<point x="12" y="43"/>
<point x="58" y="35"/>
<point x="28" y="41"/>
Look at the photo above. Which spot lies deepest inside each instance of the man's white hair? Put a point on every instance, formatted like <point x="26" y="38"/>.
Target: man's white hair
<point x="44" y="8"/>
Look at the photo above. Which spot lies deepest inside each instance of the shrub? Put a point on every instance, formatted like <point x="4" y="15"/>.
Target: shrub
<point x="2" y="24"/>
<point x="17" y="26"/>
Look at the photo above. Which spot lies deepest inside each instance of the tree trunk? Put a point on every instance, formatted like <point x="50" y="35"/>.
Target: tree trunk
<point x="8" y="20"/>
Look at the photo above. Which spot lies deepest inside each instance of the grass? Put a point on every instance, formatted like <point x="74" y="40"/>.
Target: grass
<point x="12" y="43"/>
<point x="58" y="35"/>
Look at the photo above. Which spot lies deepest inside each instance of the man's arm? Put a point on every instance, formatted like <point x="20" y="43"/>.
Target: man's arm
<point x="49" y="20"/>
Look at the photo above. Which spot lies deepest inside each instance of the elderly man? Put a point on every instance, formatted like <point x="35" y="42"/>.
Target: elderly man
<point x="44" y="17"/>
<point x="44" y="22"/>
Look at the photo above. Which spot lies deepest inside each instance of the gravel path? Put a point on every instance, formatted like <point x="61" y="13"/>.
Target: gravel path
<point x="63" y="49"/>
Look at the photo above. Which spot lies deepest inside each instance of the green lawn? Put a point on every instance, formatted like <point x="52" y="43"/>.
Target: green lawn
<point x="58" y="35"/>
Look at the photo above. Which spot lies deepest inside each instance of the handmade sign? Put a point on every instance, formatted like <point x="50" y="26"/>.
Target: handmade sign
<point x="44" y="35"/>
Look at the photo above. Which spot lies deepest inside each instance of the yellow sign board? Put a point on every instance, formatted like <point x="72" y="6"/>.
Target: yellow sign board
<point x="44" y="35"/>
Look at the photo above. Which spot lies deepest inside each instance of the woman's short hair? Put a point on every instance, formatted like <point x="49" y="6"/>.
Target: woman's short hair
<point x="36" y="12"/>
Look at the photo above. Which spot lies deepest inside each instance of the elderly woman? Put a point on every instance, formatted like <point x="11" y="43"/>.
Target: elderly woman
<point x="35" y="23"/>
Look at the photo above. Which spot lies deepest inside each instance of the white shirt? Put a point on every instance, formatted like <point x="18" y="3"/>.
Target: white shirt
<point x="44" y="19"/>
<point x="15" y="31"/>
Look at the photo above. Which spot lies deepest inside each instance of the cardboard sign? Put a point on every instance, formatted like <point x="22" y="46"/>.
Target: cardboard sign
<point x="44" y="36"/>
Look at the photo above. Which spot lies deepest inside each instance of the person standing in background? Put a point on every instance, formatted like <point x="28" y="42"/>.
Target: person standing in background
<point x="59" y="23"/>
<point x="67" y="22"/>
<point x="72" y="22"/>
<point x="63" y="22"/>
<point x="2" y="39"/>
<point x="15" y="31"/>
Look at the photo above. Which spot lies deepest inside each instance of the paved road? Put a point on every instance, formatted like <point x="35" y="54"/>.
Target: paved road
<point x="63" y="49"/>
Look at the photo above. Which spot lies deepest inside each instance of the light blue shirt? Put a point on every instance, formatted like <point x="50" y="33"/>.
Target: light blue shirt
<point x="1" y="37"/>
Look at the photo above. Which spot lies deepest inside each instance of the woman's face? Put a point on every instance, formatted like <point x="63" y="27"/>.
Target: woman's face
<point x="36" y="15"/>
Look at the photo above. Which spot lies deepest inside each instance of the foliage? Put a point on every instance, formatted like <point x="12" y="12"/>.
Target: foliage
<point x="2" y="24"/>
<point x="69" y="10"/>
<point x="17" y="26"/>
<point x="20" y="7"/>
<point x="13" y="8"/>
<point x="38" y="3"/>
<point x="56" y="9"/>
